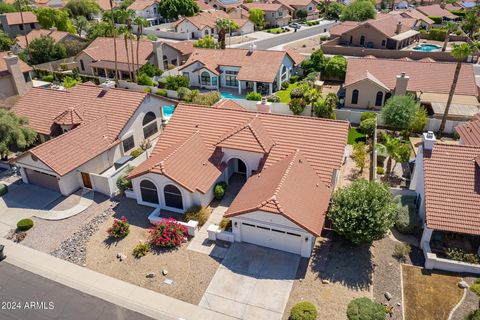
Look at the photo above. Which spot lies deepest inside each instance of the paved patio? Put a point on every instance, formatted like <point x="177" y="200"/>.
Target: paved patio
<point x="252" y="282"/>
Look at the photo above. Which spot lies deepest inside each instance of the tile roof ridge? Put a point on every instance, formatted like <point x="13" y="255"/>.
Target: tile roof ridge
<point x="179" y="146"/>
<point x="252" y="129"/>
<point x="294" y="155"/>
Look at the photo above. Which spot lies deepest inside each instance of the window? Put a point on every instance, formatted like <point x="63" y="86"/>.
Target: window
<point x="214" y="81"/>
<point x="383" y="43"/>
<point x="205" y="78"/>
<point x="231" y="78"/>
<point x="165" y="62"/>
<point x="362" y="40"/>
<point x="149" y="125"/>
<point x="148" y="191"/>
<point x="355" y="96"/>
<point x="173" y="197"/>
<point x="351" y="39"/>
<point x="32" y="25"/>
<point x="284" y="73"/>
<point x="20" y="26"/>
<point x="379" y="99"/>
<point x="128" y="144"/>
<point x="82" y="66"/>
<point x="280" y="13"/>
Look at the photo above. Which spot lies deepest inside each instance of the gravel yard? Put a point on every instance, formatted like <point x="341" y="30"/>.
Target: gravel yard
<point x="469" y="304"/>
<point x="337" y="273"/>
<point x="190" y="271"/>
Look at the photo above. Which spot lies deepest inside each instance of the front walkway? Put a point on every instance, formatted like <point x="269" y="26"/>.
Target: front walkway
<point x="200" y="242"/>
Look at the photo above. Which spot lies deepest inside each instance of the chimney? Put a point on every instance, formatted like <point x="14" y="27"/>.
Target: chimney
<point x="264" y="106"/>
<point x="429" y="140"/>
<point x="158" y="53"/>
<point x="13" y="67"/>
<point x="401" y="85"/>
<point x="252" y="48"/>
<point x="399" y="28"/>
<point x="442" y="5"/>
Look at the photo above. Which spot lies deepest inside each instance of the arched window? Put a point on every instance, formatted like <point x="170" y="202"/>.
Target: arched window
<point x="379" y="99"/>
<point x="148" y="190"/>
<point x="205" y="78"/>
<point x="150" y="126"/>
<point x="355" y="96"/>
<point x="362" y="40"/>
<point x="173" y="197"/>
<point x="165" y="62"/>
<point x="284" y="73"/>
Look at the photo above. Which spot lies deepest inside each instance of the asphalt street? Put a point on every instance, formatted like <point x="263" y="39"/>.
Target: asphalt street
<point x="27" y="296"/>
<point x="291" y="36"/>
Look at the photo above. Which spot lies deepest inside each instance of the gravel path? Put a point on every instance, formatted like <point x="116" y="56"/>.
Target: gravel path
<point x="468" y="305"/>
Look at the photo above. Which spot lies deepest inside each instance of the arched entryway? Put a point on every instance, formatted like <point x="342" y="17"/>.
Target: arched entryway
<point x="237" y="167"/>
<point x="149" y="192"/>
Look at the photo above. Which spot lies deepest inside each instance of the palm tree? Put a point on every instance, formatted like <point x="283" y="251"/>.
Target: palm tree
<point x="224" y="25"/>
<point x="140" y="22"/>
<point x="20" y="4"/>
<point x="114" y="43"/>
<point x="126" y="34"/>
<point x="471" y="22"/>
<point x="449" y="26"/>
<point x="460" y="52"/>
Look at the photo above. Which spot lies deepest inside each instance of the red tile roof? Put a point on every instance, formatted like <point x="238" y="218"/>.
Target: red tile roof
<point x="425" y="76"/>
<point x="290" y="188"/>
<point x="436" y="11"/>
<point x="203" y="6"/>
<point x="37" y="33"/>
<point x="14" y="18"/>
<point x="452" y="188"/>
<point x="470" y="132"/>
<point x="71" y="116"/>
<point x="184" y="47"/>
<point x="141" y="4"/>
<point x="3" y="65"/>
<point x="229" y="104"/>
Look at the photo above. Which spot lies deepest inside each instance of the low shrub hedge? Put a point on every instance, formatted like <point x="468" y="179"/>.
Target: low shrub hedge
<point x="437" y="34"/>
<point x="197" y="213"/>
<point x="3" y="189"/>
<point x="303" y="311"/>
<point x="25" y="224"/>
<point x="273" y="98"/>
<point x="460" y="255"/>
<point x="436" y="19"/>
<point x="254" y="96"/>
<point x="135" y="153"/>
<point x="161" y="92"/>
<point x="219" y="190"/>
<point x="475" y="287"/>
<point x="380" y="170"/>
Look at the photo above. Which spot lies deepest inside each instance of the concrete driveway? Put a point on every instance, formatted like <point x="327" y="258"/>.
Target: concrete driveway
<point x="252" y="282"/>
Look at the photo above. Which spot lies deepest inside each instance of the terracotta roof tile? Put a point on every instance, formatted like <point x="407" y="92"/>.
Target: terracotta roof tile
<point x="434" y="77"/>
<point x="14" y="18"/>
<point x="469" y="132"/>
<point x="203" y="6"/>
<point x="290" y="188"/>
<point x="184" y="47"/>
<point x="37" y="33"/>
<point x="141" y="4"/>
<point x="101" y="49"/>
<point x="209" y="18"/>
<point x="229" y="104"/>
<point x="71" y="116"/>
<point x="3" y="65"/>
<point x="452" y="188"/>
<point x="436" y="11"/>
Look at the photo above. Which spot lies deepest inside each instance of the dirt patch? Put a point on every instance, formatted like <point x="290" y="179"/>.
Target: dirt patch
<point x="429" y="295"/>
<point x="307" y="46"/>
<point x="346" y="271"/>
<point x="190" y="271"/>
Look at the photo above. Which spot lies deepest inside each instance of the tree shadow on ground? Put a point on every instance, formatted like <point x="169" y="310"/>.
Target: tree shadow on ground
<point x="343" y="262"/>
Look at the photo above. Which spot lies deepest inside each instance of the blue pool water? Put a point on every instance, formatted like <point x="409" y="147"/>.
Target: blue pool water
<point x="228" y="95"/>
<point x="427" y="47"/>
<point x="168" y="111"/>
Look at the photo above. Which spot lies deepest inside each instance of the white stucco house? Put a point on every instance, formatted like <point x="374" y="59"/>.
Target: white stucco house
<point x="289" y="182"/>
<point x="86" y="135"/>
<point x="147" y="9"/>
<point x="241" y="69"/>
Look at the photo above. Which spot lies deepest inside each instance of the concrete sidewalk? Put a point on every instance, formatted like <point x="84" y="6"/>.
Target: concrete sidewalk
<point x="130" y="296"/>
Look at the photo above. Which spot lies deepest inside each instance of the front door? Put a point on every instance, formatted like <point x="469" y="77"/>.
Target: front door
<point x="87" y="183"/>
<point x="241" y="167"/>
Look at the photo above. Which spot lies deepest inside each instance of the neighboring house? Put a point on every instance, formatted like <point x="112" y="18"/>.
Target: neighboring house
<point x="447" y="182"/>
<point x="423" y="22"/>
<point x="11" y="23"/>
<point x="204" y="5"/>
<point x="87" y="134"/>
<point x="276" y="14"/>
<point x="280" y="173"/>
<point x="224" y="5"/>
<point x="243" y="69"/>
<point x="147" y="9"/>
<point x="369" y="82"/>
<point x="437" y="10"/>
<point x="204" y="24"/>
<point x="57" y="36"/>
<point x="175" y="53"/>
<point x="384" y="32"/>
<point x="459" y="5"/>
<point x="15" y="76"/>
<point x="310" y="6"/>
<point x="98" y="58"/>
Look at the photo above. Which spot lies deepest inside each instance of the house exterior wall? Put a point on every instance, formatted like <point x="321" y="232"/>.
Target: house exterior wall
<point x="87" y="63"/>
<point x="277" y="18"/>
<point x="367" y="93"/>
<point x="371" y="35"/>
<point x="189" y="28"/>
<point x="7" y="89"/>
<point x="14" y="30"/>
<point x="150" y="13"/>
<point x="418" y="183"/>
<point x="251" y="160"/>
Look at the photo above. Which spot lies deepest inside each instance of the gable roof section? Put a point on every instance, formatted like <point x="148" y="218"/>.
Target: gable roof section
<point x="3" y="65"/>
<point x="228" y="104"/>
<point x="290" y="188"/>
<point x="14" y="18"/>
<point x="71" y="116"/>
<point x="205" y="18"/>
<point x="436" y="11"/>
<point x="367" y="76"/>
<point x="184" y="47"/>
<point x="37" y="33"/>
<point x="251" y="136"/>
<point x="425" y="76"/>
<point x="101" y="49"/>
<point x="141" y="4"/>
<point x="452" y="188"/>
<point x="470" y="132"/>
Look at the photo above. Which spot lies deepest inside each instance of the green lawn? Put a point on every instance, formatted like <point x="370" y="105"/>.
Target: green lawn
<point x="354" y="136"/>
<point x="285" y="94"/>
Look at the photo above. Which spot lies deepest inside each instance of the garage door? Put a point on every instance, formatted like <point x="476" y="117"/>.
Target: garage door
<point x="275" y="238"/>
<point x="42" y="179"/>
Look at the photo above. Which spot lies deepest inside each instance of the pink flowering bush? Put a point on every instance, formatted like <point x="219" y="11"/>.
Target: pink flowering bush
<point x="120" y="228"/>
<point x="167" y="234"/>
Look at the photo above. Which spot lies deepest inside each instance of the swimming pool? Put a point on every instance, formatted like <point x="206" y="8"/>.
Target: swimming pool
<point x="229" y="95"/>
<point x="427" y="47"/>
<point x="168" y="111"/>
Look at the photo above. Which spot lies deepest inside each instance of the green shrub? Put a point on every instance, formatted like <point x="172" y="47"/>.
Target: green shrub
<point x="219" y="190"/>
<point x="297" y="93"/>
<point x="253" y="96"/>
<point x="285" y="85"/>
<point x="459" y="13"/>
<point x="144" y="80"/>
<point x="293" y="78"/>
<point x="460" y="255"/>
<point x="135" y="153"/>
<point x="303" y="311"/>
<point x="119" y="229"/>
<point x="122" y="182"/>
<point x="206" y="99"/>
<point x="3" y="189"/>
<point x="226" y="224"/>
<point x="458" y="32"/>
<point x="161" y="92"/>
<point x="408" y="220"/>
<point x="147" y="90"/>
<point x="364" y="308"/>
<point x="48" y="78"/>
<point x="141" y="249"/>
<point x="475" y="287"/>
<point x="437" y="34"/>
<point x="197" y="213"/>
<point x="150" y="70"/>
<point x="25" y="224"/>
<point x="474" y="315"/>
<point x="297" y="106"/>
<point x="183" y="93"/>
<point x="323" y="38"/>
<point x="175" y="82"/>
<point x="380" y="170"/>
<point x="273" y="98"/>
<point x="368" y="126"/>
<point x="436" y="19"/>
<point x="401" y="251"/>
<point x="367" y="115"/>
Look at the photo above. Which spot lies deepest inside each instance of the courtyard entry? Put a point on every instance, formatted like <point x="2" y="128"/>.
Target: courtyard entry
<point x="237" y="166"/>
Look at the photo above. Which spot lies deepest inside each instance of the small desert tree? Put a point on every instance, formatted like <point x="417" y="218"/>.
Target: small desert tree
<point x="363" y="212"/>
<point x="208" y="42"/>
<point x="399" y="112"/>
<point x="360" y="155"/>
<point x="257" y="16"/>
<point x="14" y="133"/>
<point x="364" y="308"/>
